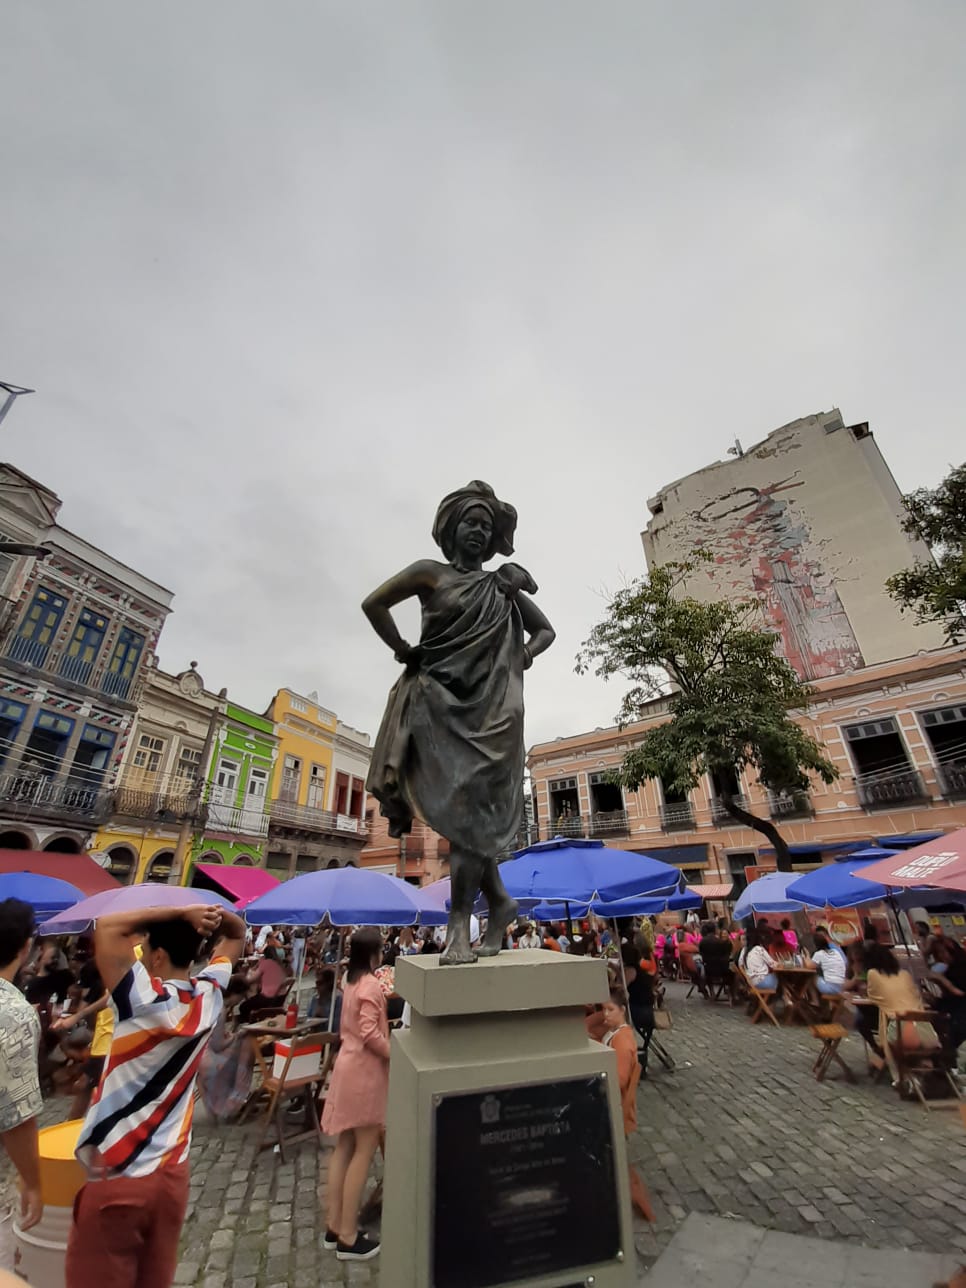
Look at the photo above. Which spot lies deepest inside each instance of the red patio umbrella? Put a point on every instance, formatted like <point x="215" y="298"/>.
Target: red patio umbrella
<point x="940" y="863"/>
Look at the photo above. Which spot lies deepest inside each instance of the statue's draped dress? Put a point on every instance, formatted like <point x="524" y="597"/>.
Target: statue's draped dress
<point x="450" y="747"/>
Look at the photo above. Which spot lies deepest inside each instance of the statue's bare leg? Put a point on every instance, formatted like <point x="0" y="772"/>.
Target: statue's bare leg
<point x="501" y="908"/>
<point x="465" y="882"/>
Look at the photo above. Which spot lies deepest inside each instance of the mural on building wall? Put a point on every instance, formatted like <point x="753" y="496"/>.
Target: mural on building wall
<point x="755" y="530"/>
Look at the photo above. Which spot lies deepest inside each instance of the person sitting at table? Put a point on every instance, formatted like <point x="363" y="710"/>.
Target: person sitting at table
<point x="789" y="936"/>
<point x="225" y="1076"/>
<point x="640" y="996"/>
<point x="271" y="985"/>
<point x="830" y="966"/>
<point x="952" y="985"/>
<point x="687" y="945"/>
<point x="894" y="991"/>
<point x="715" y="955"/>
<point x="320" y="1004"/>
<point x="756" y="959"/>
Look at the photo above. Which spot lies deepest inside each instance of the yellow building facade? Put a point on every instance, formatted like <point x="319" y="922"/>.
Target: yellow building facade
<point x="312" y="823"/>
<point x="306" y="735"/>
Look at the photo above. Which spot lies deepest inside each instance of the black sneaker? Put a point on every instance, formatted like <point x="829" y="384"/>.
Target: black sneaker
<point x="362" y="1250"/>
<point x="330" y="1240"/>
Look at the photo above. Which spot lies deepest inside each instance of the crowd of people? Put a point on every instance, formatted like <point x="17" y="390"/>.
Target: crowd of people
<point x="129" y="1021"/>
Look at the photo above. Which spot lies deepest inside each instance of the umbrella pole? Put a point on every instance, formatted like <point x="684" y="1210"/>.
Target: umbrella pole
<point x="335" y="980"/>
<point x="620" y="955"/>
<point x="570" y="923"/>
<point x="895" y="912"/>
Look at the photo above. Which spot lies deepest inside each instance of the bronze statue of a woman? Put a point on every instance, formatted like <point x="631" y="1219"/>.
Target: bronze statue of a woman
<point x="450" y="746"/>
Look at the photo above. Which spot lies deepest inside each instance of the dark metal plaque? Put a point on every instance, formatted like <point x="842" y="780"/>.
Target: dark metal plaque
<point x="525" y="1183"/>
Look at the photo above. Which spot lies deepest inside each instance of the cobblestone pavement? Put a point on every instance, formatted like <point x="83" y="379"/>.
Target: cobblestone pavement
<point x="740" y="1128"/>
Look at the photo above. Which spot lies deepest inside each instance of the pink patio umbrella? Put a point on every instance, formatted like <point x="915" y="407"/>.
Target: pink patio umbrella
<point x="940" y="863"/>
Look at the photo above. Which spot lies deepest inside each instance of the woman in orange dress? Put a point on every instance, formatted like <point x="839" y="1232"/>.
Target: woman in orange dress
<point x="355" y="1108"/>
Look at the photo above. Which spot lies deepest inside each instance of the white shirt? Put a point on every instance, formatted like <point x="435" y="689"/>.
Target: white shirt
<point x="831" y="964"/>
<point x="758" y="963"/>
<point x="262" y="939"/>
<point x="530" y="941"/>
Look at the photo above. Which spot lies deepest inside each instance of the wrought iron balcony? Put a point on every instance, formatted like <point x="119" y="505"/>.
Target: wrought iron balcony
<point x="306" y="819"/>
<point x="611" y="822"/>
<point x="718" y="812"/>
<point x="789" y="805"/>
<point x="890" y="787"/>
<point x="58" y="663"/>
<point x="952" y="778"/>
<point x="27" y="795"/>
<point x="171" y="804"/>
<point x="228" y="818"/>
<point x="677" y="815"/>
<point x="568" y="825"/>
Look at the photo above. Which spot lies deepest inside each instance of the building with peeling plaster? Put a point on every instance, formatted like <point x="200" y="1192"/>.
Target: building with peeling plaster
<point x="808" y="522"/>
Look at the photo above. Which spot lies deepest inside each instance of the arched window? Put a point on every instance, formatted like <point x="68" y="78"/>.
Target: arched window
<point x="63" y="845"/>
<point x="245" y="859"/>
<point x="159" y="869"/>
<point x="122" y="861"/>
<point x="15" y="841"/>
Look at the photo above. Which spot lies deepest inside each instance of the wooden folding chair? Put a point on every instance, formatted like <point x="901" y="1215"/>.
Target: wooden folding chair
<point x="717" y="984"/>
<point x="761" y="997"/>
<point x="280" y="1088"/>
<point x="914" y="1063"/>
<point x="830" y="1036"/>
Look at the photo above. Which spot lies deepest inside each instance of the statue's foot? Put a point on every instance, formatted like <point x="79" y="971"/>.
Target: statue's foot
<point x="499" y="918"/>
<point x="457" y="953"/>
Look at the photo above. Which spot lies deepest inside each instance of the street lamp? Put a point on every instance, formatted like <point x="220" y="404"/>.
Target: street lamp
<point x="13" y="392"/>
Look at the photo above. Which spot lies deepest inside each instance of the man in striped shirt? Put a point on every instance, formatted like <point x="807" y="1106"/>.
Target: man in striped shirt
<point x="137" y="1133"/>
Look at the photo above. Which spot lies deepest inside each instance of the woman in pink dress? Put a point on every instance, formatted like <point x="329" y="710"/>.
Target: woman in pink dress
<point x="355" y="1108"/>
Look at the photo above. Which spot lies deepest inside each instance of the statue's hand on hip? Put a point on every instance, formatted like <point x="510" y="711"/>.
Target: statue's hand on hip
<point x="411" y="655"/>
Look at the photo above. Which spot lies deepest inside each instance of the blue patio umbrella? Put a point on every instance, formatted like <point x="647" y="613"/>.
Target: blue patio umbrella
<point x="768" y="894"/>
<point x="577" y="871"/>
<point x="46" y="895"/>
<point x="436" y="897"/>
<point x="838" y="885"/>
<point x="636" y="906"/>
<point x="647" y="905"/>
<point x="346" y="896"/>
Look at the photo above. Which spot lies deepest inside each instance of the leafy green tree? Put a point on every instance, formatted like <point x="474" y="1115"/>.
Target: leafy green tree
<point x="936" y="591"/>
<point x="729" y="696"/>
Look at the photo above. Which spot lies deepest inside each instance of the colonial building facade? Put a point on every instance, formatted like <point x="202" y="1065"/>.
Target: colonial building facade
<point x="243" y="754"/>
<point x="77" y="629"/>
<point x="895" y="731"/>
<point x="808" y="522"/>
<point x="159" y="808"/>
<point x="317" y="811"/>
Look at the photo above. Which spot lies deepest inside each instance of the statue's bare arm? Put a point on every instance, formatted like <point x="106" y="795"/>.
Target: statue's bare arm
<point x="541" y="633"/>
<point x="421" y="579"/>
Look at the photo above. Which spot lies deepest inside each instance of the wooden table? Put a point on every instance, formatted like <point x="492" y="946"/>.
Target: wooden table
<point x="795" y="981"/>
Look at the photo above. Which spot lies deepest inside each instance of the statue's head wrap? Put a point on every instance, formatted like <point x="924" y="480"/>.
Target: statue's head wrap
<point x="453" y="507"/>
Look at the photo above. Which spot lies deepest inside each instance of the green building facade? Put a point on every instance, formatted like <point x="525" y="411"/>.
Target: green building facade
<point x="239" y="778"/>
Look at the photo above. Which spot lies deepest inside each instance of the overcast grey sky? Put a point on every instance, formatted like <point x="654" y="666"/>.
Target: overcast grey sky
<point x="284" y="274"/>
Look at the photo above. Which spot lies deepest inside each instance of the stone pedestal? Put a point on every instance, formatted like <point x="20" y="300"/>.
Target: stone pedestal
<point x="505" y="1159"/>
